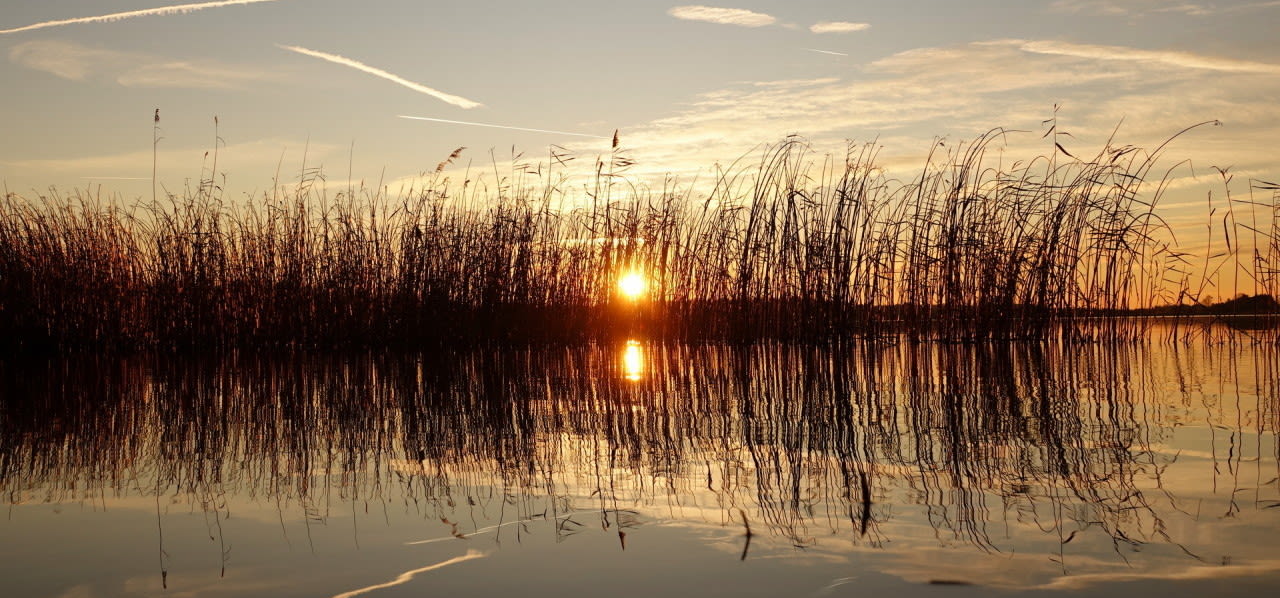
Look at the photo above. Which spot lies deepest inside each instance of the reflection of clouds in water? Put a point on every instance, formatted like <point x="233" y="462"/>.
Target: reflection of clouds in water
<point x="485" y="530"/>
<point x="1198" y="572"/>
<point x="921" y="562"/>
<point x="827" y="589"/>
<point x="405" y="577"/>
<point x="979" y="462"/>
<point x="80" y="591"/>
<point x="190" y="585"/>
<point x="1026" y="558"/>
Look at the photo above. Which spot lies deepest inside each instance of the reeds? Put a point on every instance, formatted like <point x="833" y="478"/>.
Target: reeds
<point x="795" y="247"/>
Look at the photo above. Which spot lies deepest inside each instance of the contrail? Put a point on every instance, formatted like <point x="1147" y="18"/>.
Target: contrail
<point x="459" y="122"/>
<point x="458" y="101"/>
<point x="179" y="9"/>
<point x="825" y="52"/>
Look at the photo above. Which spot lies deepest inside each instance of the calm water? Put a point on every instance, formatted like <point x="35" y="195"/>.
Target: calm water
<point x="639" y="470"/>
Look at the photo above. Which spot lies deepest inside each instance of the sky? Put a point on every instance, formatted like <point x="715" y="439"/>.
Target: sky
<point x="327" y="84"/>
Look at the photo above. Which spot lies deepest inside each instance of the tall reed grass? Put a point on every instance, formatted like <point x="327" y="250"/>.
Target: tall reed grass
<point x="795" y="246"/>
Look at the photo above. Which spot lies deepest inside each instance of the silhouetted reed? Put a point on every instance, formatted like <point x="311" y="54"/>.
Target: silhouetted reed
<point x="792" y="248"/>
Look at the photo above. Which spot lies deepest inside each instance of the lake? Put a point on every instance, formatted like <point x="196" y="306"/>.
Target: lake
<point x="637" y="469"/>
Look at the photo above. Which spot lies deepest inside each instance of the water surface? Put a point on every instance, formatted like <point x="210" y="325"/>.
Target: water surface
<point x="637" y="469"/>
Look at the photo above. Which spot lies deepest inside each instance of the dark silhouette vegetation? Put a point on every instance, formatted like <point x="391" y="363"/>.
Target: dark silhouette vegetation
<point x="796" y="247"/>
<point x="1242" y="305"/>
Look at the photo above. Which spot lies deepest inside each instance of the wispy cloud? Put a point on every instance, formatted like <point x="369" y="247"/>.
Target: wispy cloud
<point x="1120" y="8"/>
<point x="1254" y="5"/>
<point x="146" y="12"/>
<point x="460" y="122"/>
<point x="236" y="157"/>
<point x="1121" y="53"/>
<point x="408" y="575"/>
<point x="77" y="62"/>
<point x="62" y="59"/>
<point x="824" y="51"/>
<point x="1124" y="8"/>
<point x="458" y="101"/>
<point x="838" y="27"/>
<point x="907" y="99"/>
<point x="187" y="75"/>
<point x="722" y="16"/>
<point x="793" y="84"/>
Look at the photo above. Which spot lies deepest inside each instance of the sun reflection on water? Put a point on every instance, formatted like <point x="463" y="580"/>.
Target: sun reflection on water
<point x="633" y="361"/>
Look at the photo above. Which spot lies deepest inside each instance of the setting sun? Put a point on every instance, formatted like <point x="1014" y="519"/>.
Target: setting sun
<point x="632" y="285"/>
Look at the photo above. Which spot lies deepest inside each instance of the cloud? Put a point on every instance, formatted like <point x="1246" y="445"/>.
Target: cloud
<point x="458" y="101"/>
<point x="62" y="59"/>
<point x="187" y="75"/>
<point x="508" y="127"/>
<point x="177" y="163"/>
<point x="907" y="99"/>
<point x="76" y="62"/>
<point x="722" y="16"/>
<point x="1170" y="58"/>
<point x="795" y="83"/>
<point x="1254" y="5"/>
<point x="1125" y="8"/>
<point x="147" y="12"/>
<point x="1119" y="8"/>
<point x="838" y="27"/>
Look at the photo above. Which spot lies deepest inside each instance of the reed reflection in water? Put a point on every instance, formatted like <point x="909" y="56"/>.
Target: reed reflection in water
<point x="1012" y="465"/>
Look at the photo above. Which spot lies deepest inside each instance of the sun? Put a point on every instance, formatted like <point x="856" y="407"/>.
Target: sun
<point x="632" y="285"/>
